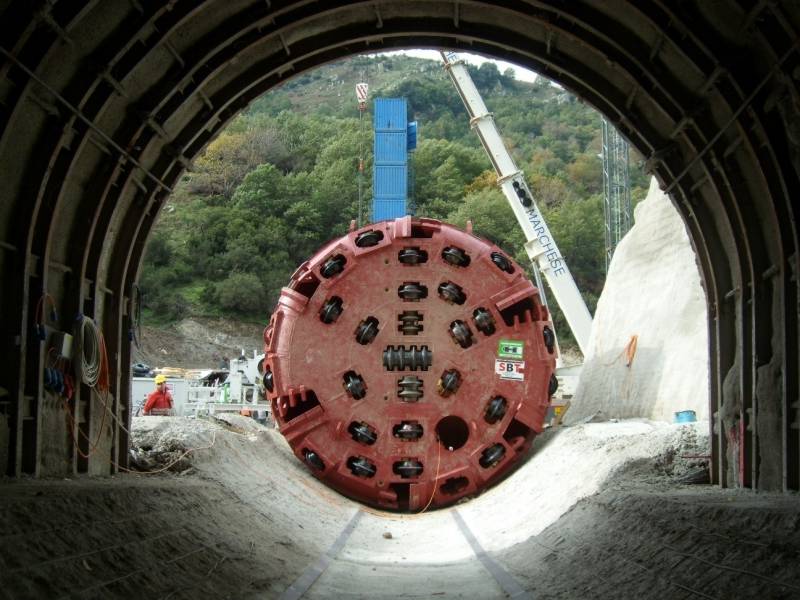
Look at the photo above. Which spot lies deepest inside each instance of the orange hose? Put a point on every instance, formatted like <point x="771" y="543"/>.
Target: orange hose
<point x="102" y="378"/>
<point x="630" y="350"/>
<point x="438" y="464"/>
<point x="73" y="426"/>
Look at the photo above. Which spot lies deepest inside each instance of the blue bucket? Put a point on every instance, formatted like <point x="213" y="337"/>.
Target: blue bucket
<point x="685" y="416"/>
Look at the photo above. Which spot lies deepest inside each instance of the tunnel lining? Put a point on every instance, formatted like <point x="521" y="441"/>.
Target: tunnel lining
<point x="732" y="184"/>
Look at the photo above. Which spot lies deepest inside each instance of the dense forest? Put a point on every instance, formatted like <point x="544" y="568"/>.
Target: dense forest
<point x="282" y="179"/>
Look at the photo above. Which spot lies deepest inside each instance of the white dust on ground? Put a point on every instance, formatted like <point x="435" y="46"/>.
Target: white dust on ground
<point x="652" y="291"/>
<point x="572" y="463"/>
<point x="566" y="465"/>
<point x="599" y="511"/>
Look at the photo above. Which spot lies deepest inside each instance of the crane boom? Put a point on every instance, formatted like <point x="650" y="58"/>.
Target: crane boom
<point x="540" y="245"/>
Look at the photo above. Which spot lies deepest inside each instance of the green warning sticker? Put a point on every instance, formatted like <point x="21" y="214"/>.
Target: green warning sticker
<point x="510" y="349"/>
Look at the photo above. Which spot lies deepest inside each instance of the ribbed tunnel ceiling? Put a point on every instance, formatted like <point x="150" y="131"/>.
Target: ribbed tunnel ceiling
<point x="103" y="104"/>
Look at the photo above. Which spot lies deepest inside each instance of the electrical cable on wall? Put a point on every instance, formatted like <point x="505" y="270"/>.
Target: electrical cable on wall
<point x="94" y="372"/>
<point x="91" y="367"/>
<point x="135" y="333"/>
<point x="40" y="319"/>
<point x="89" y="351"/>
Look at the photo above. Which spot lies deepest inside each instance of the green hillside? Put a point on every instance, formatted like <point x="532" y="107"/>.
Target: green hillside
<point x="283" y="178"/>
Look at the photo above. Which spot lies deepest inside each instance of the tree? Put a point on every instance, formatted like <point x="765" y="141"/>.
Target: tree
<point x="243" y="293"/>
<point x="545" y="162"/>
<point x="158" y="252"/>
<point x="443" y="169"/>
<point x="261" y="192"/>
<point x="578" y="229"/>
<point x="550" y="191"/>
<point x="221" y="167"/>
<point x="586" y="174"/>
<point x="492" y="218"/>
<point x="487" y="77"/>
<point x="281" y="180"/>
<point x="207" y="239"/>
<point x="486" y="180"/>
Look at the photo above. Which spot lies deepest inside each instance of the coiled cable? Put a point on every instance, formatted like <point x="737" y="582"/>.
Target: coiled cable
<point x="89" y="349"/>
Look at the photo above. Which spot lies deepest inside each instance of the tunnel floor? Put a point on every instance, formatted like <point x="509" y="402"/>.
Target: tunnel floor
<point x="600" y="510"/>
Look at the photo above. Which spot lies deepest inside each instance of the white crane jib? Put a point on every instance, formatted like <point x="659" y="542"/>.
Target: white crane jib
<point x="540" y="245"/>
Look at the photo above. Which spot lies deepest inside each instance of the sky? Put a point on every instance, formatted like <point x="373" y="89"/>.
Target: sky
<point x="519" y="72"/>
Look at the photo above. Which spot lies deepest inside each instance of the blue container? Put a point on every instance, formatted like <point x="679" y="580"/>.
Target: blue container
<point x="390" y="167"/>
<point x="390" y="181"/>
<point x="685" y="416"/>
<point x="390" y="147"/>
<point x="390" y="114"/>
<point x="383" y="210"/>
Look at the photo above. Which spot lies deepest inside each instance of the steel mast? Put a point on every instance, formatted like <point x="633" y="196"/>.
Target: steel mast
<point x="616" y="188"/>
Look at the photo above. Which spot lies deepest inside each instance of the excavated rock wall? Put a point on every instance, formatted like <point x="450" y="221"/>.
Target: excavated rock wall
<point x="653" y="291"/>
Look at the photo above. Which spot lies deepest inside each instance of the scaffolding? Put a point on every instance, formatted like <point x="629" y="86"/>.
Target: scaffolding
<point x="616" y="188"/>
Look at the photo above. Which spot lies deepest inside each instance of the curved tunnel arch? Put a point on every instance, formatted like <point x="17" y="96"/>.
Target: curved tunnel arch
<point x="105" y="104"/>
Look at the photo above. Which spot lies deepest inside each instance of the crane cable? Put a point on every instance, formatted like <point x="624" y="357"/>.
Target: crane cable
<point x="360" y="178"/>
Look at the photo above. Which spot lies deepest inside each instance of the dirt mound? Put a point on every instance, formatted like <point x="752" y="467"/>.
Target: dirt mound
<point x="168" y="442"/>
<point x="197" y="343"/>
<point x="648" y="350"/>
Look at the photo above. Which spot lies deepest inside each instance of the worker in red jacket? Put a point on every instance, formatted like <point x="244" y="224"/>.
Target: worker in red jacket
<point x="159" y="402"/>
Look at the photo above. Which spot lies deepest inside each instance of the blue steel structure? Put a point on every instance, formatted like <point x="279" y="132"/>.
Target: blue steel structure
<point x="394" y="138"/>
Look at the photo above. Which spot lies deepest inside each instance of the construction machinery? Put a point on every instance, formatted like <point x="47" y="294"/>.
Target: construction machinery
<point x="617" y="207"/>
<point x="410" y="364"/>
<point x="540" y="245"/>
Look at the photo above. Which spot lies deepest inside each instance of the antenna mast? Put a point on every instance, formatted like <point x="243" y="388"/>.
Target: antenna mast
<point x="616" y="188"/>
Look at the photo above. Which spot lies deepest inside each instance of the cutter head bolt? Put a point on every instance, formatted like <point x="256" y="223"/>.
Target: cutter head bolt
<point x="313" y="460"/>
<point x="412" y="256"/>
<point x="369" y="238"/>
<point x="333" y="266"/>
<point x="492" y="455"/>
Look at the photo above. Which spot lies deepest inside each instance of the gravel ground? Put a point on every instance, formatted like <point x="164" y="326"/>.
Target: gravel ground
<point x="600" y="510"/>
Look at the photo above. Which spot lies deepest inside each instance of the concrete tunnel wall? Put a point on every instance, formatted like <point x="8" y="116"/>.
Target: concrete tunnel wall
<point x="104" y="104"/>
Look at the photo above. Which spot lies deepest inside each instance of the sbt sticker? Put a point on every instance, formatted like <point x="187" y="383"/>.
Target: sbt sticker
<point x="510" y="349"/>
<point x="510" y="369"/>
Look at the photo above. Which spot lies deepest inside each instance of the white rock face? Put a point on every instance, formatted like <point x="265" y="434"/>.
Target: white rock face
<point x="653" y="291"/>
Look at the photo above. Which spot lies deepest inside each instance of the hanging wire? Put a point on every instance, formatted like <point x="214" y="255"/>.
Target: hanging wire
<point x="439" y="444"/>
<point x="89" y="350"/>
<point x="42" y="315"/>
<point x="136" y="316"/>
<point x="94" y="373"/>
